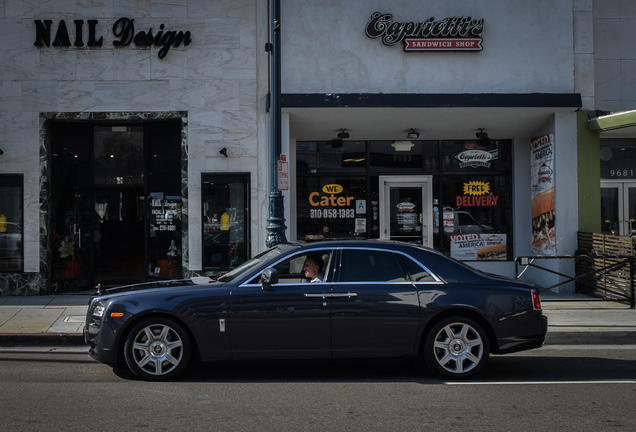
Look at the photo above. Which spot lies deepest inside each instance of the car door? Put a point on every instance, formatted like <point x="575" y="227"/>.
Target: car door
<point x="375" y="309"/>
<point x="289" y="319"/>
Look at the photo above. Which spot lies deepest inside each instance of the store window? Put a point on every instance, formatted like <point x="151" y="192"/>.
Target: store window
<point x="225" y="218"/>
<point x="331" y="207"/>
<point x="337" y="194"/>
<point x="11" y="223"/>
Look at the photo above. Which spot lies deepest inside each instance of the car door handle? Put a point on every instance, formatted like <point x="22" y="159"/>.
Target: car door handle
<point x="330" y="295"/>
<point x="347" y="294"/>
<point x="318" y="295"/>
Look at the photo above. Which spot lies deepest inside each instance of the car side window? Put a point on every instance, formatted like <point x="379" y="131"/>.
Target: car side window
<point x="415" y="271"/>
<point x="366" y="265"/>
<point x="292" y="269"/>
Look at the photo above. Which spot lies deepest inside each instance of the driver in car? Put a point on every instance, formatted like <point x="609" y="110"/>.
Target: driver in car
<point x="314" y="268"/>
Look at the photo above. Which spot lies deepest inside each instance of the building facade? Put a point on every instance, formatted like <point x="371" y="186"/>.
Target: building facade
<point x="135" y="135"/>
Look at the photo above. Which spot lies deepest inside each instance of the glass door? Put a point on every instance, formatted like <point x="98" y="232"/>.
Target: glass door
<point x="405" y="209"/>
<point x="115" y="203"/>
<point x="618" y="208"/>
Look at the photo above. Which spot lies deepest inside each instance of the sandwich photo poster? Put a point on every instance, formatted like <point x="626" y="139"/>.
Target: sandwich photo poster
<point x="480" y="247"/>
<point x="542" y="184"/>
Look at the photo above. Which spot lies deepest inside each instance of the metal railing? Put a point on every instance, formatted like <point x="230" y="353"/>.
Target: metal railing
<point x="604" y="266"/>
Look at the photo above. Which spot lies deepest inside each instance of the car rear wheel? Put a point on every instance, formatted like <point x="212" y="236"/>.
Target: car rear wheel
<point x="456" y="348"/>
<point x="157" y="349"/>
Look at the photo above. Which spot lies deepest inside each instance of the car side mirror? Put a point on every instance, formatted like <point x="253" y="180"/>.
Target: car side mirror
<point x="269" y="277"/>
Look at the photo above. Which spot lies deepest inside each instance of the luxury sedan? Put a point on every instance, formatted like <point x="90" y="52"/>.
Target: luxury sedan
<point x="324" y="300"/>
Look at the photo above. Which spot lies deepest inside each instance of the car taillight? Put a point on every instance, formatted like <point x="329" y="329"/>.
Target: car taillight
<point x="536" y="300"/>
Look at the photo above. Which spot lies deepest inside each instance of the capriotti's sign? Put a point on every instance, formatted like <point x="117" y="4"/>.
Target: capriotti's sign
<point x="448" y="34"/>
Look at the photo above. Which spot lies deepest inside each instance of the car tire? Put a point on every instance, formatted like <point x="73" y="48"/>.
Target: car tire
<point x="456" y="347"/>
<point x="157" y="349"/>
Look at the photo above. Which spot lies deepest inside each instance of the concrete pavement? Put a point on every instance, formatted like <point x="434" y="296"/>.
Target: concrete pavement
<point x="572" y="318"/>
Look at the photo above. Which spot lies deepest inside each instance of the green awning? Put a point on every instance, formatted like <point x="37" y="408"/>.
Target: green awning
<point x="613" y="121"/>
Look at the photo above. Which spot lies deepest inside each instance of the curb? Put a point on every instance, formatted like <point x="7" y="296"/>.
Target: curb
<point x="7" y="339"/>
<point x="587" y="337"/>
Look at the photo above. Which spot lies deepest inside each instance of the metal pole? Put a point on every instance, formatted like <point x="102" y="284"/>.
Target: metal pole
<point x="276" y="220"/>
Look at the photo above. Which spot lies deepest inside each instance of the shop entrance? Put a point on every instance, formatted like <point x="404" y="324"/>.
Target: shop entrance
<point x="618" y="207"/>
<point x="115" y="204"/>
<point x="406" y="209"/>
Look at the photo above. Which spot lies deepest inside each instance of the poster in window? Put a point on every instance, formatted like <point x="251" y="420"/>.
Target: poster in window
<point x="542" y="177"/>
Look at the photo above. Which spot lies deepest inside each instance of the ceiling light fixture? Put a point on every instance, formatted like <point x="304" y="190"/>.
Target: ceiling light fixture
<point x="413" y="134"/>
<point x="343" y="134"/>
<point x="483" y="136"/>
<point x="402" y="146"/>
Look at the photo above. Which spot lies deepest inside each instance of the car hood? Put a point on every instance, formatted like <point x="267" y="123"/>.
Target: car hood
<point x="156" y="285"/>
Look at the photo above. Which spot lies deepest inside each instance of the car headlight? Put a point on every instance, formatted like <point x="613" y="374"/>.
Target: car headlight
<point x="99" y="311"/>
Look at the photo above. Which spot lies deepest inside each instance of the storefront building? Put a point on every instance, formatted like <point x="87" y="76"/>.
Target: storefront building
<point x="453" y="125"/>
<point x="129" y="140"/>
<point x="135" y="135"/>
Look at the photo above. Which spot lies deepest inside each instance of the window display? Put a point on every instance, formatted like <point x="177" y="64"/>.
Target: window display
<point x="11" y="223"/>
<point x="225" y="220"/>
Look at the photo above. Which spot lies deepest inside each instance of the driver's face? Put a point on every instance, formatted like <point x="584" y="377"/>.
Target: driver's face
<point x="311" y="269"/>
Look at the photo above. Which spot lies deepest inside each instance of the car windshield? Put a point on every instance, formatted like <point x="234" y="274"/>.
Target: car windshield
<point x="253" y="263"/>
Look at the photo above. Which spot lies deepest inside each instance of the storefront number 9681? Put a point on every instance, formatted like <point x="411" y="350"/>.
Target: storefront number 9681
<point x="332" y="213"/>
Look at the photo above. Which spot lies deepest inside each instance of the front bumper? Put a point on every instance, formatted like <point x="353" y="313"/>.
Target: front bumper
<point x="97" y="351"/>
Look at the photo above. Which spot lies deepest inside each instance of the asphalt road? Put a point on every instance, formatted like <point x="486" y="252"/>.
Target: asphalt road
<point x="571" y="388"/>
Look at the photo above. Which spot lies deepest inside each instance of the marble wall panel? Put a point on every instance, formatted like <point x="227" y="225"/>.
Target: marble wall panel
<point x="131" y="9"/>
<point x="20" y="65"/>
<point x="169" y="8"/>
<point x="97" y="65"/>
<point x="39" y="96"/>
<point x="21" y="8"/>
<point x="151" y="95"/>
<point x="221" y="32"/>
<point x="114" y="95"/>
<point x="205" y="63"/>
<point x="239" y="64"/>
<point x="206" y="9"/>
<point x="173" y="65"/>
<point x="187" y="94"/>
<point x="58" y="8"/>
<point x="11" y="33"/>
<point x="76" y="95"/>
<point x="58" y="65"/>
<point x="222" y="95"/>
<point x="132" y="65"/>
<point x="95" y="8"/>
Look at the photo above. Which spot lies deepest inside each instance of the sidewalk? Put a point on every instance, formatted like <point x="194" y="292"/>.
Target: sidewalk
<point x="572" y="319"/>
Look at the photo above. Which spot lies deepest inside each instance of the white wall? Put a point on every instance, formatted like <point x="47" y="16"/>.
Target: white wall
<point x="615" y="54"/>
<point x="527" y="47"/>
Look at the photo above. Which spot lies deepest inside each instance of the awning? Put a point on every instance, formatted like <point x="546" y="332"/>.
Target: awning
<point x="622" y="124"/>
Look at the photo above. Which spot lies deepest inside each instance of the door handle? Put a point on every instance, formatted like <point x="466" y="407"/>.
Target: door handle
<point x="330" y="295"/>
<point x="347" y="294"/>
<point x="318" y="295"/>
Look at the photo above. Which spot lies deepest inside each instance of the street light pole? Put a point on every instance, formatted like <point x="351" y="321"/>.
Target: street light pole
<point x="276" y="220"/>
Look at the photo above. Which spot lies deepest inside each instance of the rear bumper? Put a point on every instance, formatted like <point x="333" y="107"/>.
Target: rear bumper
<point x="534" y="336"/>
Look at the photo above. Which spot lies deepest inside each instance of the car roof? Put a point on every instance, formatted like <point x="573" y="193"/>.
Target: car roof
<point x="366" y="243"/>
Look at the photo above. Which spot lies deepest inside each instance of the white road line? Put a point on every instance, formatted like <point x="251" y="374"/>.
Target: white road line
<point x="536" y="382"/>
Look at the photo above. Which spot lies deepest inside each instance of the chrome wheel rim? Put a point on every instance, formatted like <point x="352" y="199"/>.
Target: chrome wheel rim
<point x="157" y="349"/>
<point x="458" y="348"/>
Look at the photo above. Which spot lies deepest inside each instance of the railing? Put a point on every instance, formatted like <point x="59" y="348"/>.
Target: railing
<point x="604" y="267"/>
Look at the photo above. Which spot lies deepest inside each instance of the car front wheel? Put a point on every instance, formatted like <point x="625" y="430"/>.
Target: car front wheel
<point x="157" y="349"/>
<point x="456" y="348"/>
